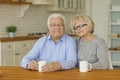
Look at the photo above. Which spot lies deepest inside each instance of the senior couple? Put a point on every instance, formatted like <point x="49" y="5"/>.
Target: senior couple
<point x="63" y="52"/>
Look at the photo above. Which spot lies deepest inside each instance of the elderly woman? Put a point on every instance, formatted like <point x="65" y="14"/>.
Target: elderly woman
<point x="91" y="47"/>
<point x="58" y="49"/>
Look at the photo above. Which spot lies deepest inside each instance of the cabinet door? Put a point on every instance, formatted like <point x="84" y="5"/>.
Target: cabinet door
<point x="23" y="53"/>
<point x="31" y="44"/>
<point x="8" y="59"/>
<point x="7" y="54"/>
<point x="7" y="46"/>
<point x="13" y="59"/>
<point x="13" y="52"/>
<point x="27" y="46"/>
<point x="67" y="5"/>
<point x="21" y="45"/>
<point x="17" y="59"/>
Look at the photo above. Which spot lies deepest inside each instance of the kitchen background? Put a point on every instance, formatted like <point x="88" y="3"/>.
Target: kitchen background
<point x="33" y="19"/>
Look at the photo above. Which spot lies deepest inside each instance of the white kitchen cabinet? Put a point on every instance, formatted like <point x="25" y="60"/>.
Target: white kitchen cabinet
<point x="11" y="53"/>
<point x="114" y="31"/>
<point x="7" y="59"/>
<point x="67" y="5"/>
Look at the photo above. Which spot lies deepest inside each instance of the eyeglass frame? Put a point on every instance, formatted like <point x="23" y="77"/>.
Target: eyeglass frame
<point x="79" y="26"/>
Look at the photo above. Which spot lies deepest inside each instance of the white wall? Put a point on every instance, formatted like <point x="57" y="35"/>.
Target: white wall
<point x="34" y="19"/>
<point x="98" y="10"/>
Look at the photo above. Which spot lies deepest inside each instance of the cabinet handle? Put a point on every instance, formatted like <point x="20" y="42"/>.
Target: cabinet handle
<point x="24" y="45"/>
<point x="17" y="54"/>
<point x="9" y="46"/>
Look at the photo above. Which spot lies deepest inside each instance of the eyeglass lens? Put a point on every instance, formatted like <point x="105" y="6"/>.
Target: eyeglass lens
<point x="80" y="26"/>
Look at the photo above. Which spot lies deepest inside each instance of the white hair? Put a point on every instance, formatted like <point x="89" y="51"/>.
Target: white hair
<point x="55" y="15"/>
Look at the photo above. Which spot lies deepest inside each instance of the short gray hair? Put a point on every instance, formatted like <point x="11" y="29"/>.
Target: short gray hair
<point x="55" y="15"/>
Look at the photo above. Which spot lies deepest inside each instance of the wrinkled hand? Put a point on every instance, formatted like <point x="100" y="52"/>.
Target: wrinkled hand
<point x="33" y="65"/>
<point x="53" y="66"/>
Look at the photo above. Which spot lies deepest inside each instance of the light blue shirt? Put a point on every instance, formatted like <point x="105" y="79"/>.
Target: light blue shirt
<point x="45" y="49"/>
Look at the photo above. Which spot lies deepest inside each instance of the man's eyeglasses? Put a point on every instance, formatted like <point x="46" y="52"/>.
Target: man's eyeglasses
<point x="56" y="25"/>
<point x="79" y="26"/>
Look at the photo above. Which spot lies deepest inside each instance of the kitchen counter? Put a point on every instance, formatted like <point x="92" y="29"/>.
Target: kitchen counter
<point x="20" y="38"/>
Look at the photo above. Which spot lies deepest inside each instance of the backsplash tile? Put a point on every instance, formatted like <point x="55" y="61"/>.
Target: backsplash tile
<point x="34" y="19"/>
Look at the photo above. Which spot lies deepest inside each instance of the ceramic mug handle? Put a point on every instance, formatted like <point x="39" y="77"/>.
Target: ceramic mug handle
<point x="90" y="67"/>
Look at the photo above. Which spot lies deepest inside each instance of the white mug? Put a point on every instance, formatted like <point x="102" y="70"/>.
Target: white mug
<point x="84" y="66"/>
<point x="40" y="65"/>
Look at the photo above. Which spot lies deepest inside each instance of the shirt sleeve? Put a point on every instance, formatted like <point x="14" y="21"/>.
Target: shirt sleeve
<point x="71" y="55"/>
<point x="103" y="59"/>
<point x="33" y="54"/>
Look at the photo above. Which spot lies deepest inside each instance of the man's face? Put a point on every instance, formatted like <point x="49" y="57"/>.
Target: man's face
<point x="56" y="27"/>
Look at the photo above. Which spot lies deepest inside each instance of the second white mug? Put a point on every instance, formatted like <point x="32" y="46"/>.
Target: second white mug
<point x="84" y="66"/>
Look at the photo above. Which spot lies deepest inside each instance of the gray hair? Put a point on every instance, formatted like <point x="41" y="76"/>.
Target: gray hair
<point x="55" y="15"/>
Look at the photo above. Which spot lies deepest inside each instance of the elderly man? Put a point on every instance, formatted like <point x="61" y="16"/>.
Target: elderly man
<point x="58" y="49"/>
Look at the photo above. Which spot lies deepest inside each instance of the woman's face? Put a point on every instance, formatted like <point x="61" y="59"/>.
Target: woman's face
<point x="81" y="28"/>
<point x="56" y="27"/>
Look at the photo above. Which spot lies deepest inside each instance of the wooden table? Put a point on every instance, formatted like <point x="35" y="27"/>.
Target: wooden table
<point x="18" y="73"/>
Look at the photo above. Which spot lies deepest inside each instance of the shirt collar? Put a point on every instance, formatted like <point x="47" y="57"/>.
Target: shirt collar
<point x="61" y="39"/>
